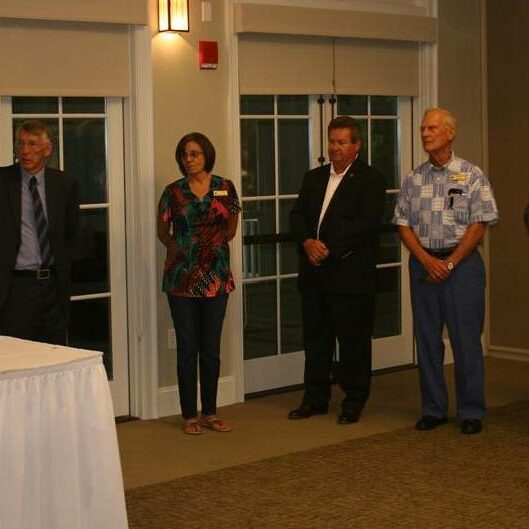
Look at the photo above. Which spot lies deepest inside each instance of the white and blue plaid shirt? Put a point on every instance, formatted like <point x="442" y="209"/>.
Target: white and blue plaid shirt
<point x="439" y="203"/>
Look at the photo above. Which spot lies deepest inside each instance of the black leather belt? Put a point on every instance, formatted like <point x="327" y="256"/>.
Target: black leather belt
<point x="42" y="273"/>
<point x="440" y="253"/>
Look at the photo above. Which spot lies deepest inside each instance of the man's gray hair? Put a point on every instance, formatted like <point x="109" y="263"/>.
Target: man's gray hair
<point x="448" y="118"/>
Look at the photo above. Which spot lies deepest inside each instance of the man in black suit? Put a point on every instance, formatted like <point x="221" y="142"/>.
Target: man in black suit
<point x="39" y="212"/>
<point x="336" y="221"/>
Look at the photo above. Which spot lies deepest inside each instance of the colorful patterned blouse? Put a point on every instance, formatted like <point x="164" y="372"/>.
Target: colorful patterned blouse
<point x="201" y="267"/>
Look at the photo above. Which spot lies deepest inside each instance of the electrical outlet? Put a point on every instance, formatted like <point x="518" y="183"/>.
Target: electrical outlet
<point x="171" y="339"/>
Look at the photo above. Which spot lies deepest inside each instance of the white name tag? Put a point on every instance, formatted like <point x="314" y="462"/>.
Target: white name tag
<point x="220" y="193"/>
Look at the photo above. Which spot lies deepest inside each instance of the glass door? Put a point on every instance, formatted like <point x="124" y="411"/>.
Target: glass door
<point x="281" y="138"/>
<point x="88" y="144"/>
<point x="276" y="154"/>
<point x="386" y="129"/>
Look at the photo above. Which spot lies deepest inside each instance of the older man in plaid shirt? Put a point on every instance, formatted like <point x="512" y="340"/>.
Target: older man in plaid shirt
<point x="442" y="212"/>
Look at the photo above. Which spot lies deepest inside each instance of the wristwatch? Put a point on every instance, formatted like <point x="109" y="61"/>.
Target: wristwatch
<point x="450" y="265"/>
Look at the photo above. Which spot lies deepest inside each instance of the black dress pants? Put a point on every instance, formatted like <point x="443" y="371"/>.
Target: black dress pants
<point x="349" y="319"/>
<point x="33" y="310"/>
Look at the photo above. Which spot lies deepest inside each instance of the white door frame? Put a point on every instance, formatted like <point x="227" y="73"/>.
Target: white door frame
<point x="115" y="207"/>
<point x="427" y="98"/>
<point x="119" y="386"/>
<point x="140" y="228"/>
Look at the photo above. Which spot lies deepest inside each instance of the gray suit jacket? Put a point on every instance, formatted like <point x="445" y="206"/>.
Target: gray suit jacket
<point x="62" y="203"/>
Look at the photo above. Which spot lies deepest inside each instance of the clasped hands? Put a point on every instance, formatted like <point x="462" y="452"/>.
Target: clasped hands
<point x="437" y="269"/>
<point x="316" y="251"/>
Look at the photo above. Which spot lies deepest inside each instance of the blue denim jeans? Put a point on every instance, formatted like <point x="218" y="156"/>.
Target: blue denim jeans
<point x="198" y="327"/>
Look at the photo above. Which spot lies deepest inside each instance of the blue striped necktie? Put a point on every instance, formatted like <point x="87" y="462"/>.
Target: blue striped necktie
<point x="41" y="224"/>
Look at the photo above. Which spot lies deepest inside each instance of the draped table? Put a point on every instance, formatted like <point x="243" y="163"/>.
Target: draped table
<point x="59" y="457"/>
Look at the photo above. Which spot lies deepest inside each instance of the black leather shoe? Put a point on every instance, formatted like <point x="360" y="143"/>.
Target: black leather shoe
<point x="428" y="422"/>
<point x="349" y="416"/>
<point x="305" y="411"/>
<point x="471" y="426"/>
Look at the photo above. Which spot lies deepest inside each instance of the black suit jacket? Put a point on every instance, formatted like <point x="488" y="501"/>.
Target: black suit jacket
<point x="349" y="228"/>
<point x="62" y="205"/>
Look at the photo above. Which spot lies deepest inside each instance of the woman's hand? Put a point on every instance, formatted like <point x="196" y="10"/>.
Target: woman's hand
<point x="172" y="251"/>
<point x="163" y="229"/>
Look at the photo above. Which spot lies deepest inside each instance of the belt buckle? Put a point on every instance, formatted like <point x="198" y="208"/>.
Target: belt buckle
<point x="44" y="273"/>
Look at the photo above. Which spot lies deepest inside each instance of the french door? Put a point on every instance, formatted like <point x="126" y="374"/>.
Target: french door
<point x="88" y="144"/>
<point x="281" y="138"/>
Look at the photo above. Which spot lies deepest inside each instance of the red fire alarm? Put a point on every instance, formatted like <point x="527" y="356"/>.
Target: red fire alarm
<point x="208" y="54"/>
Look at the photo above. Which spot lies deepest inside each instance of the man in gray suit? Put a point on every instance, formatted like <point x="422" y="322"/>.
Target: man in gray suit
<point x="39" y="213"/>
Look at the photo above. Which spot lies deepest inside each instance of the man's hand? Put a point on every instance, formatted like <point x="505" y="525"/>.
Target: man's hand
<point x="436" y="268"/>
<point x="316" y="251"/>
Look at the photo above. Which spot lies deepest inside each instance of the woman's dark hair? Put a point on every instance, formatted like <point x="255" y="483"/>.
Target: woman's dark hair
<point x="205" y="145"/>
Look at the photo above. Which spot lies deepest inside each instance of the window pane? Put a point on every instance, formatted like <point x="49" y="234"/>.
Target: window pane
<point x="292" y="105"/>
<point x="385" y="149"/>
<point x="383" y="105"/>
<point x="291" y="329"/>
<point x="85" y="157"/>
<point x="90" y="261"/>
<point x="389" y="237"/>
<point x="35" y="105"/>
<point x="260" y="320"/>
<point x="257" y="105"/>
<point x="53" y="125"/>
<point x="388" y="317"/>
<point x="365" y="140"/>
<point x="89" y="328"/>
<point x="257" y="157"/>
<point x="83" y="105"/>
<point x="259" y="258"/>
<point x="294" y="156"/>
<point x="288" y="250"/>
<point x="352" y="105"/>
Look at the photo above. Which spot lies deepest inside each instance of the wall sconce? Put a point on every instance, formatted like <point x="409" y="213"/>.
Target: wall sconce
<point x="173" y="15"/>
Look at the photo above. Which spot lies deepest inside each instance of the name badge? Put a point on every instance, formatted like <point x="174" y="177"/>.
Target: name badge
<point x="461" y="178"/>
<point x="220" y="193"/>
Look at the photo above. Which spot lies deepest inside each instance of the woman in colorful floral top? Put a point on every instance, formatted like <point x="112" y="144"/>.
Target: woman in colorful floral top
<point x="197" y="216"/>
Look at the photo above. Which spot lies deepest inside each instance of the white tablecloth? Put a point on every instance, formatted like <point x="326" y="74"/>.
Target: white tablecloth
<point x="59" y="458"/>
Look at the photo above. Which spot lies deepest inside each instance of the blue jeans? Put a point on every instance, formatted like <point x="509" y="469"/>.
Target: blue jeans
<point x="198" y="327"/>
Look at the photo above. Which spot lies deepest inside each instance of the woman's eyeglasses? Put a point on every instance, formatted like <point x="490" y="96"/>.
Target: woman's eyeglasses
<point x="191" y="154"/>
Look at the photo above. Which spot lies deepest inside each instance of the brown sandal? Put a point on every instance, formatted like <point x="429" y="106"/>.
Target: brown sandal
<point x="192" y="427"/>
<point x="213" y="423"/>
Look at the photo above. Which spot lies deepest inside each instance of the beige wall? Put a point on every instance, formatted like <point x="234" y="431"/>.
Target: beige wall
<point x="508" y="89"/>
<point x="459" y="74"/>
<point x="187" y="99"/>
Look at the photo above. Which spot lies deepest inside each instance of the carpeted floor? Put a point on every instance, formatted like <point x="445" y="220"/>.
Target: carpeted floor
<point x="400" y="480"/>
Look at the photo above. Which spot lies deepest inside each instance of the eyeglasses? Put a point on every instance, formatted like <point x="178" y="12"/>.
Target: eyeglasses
<point x="32" y="145"/>
<point x="191" y="154"/>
